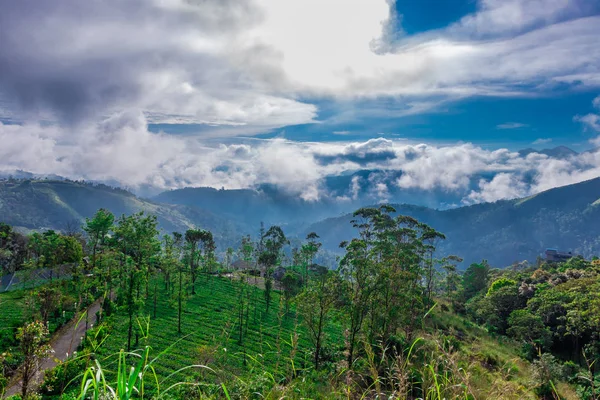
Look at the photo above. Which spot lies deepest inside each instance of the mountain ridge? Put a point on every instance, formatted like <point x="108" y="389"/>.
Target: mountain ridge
<point x="505" y="231"/>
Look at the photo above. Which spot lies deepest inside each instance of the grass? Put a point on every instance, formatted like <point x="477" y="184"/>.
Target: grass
<point x="275" y="345"/>
<point x="12" y="305"/>
<point x="495" y="362"/>
<point x="275" y="354"/>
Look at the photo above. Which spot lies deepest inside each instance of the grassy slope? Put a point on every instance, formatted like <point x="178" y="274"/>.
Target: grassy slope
<point x="210" y="338"/>
<point x="12" y="305"/>
<point x="210" y="332"/>
<point x="497" y="369"/>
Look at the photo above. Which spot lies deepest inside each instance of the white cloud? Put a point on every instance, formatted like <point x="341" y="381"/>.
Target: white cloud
<point x="121" y="149"/>
<point x="590" y="121"/>
<point x="247" y="64"/>
<point x="542" y="141"/>
<point x="503" y="186"/>
<point x="511" y="125"/>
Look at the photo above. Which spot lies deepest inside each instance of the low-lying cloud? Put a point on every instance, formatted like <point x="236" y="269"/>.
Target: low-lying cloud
<point x="121" y="149"/>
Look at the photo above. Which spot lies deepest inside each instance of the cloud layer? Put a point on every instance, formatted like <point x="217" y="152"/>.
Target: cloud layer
<point x="121" y="149"/>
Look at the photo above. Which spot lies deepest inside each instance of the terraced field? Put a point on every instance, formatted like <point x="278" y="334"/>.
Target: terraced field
<point x="11" y="315"/>
<point x="275" y="344"/>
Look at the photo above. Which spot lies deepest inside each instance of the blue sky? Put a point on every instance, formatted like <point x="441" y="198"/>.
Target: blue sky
<point x="531" y="118"/>
<point x="168" y="94"/>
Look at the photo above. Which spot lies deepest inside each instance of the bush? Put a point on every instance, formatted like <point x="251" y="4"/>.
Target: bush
<point x="546" y="372"/>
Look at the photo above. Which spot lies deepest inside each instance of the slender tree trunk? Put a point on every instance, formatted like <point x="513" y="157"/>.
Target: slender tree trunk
<point x="179" y="311"/>
<point x="130" y="310"/>
<point x="155" y="294"/>
<point x="25" y="379"/>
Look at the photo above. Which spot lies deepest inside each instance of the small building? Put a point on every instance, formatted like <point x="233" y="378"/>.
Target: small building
<point x="553" y="255"/>
<point x="596" y="262"/>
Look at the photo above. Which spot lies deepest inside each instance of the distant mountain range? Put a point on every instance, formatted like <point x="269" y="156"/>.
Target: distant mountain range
<point x="503" y="232"/>
<point x="51" y="204"/>
<point x="338" y="193"/>
<point x="566" y="218"/>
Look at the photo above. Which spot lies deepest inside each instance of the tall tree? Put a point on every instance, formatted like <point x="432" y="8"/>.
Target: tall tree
<point x="475" y="279"/>
<point x="309" y="251"/>
<point x="383" y="274"/>
<point x="192" y="239"/>
<point x="137" y="238"/>
<point x="97" y="230"/>
<point x="315" y="304"/>
<point x="273" y="242"/>
<point x="32" y="339"/>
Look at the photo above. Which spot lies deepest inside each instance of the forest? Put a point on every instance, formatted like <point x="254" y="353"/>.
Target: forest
<point x="148" y="315"/>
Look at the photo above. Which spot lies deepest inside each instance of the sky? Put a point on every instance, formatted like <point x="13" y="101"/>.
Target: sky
<point x="166" y="94"/>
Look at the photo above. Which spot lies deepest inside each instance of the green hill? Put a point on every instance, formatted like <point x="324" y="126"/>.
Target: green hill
<point x="53" y="204"/>
<point x="503" y="232"/>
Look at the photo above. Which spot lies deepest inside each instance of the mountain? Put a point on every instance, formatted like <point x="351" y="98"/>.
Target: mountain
<point x="51" y="204"/>
<point x="559" y="152"/>
<point x="503" y="232"/>
<point x="567" y="218"/>
<point x="340" y="194"/>
<point x="250" y="207"/>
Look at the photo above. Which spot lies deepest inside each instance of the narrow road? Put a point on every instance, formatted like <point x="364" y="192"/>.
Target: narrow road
<point x="64" y="342"/>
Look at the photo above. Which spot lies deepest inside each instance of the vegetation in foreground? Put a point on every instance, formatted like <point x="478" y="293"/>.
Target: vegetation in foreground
<point x="393" y="321"/>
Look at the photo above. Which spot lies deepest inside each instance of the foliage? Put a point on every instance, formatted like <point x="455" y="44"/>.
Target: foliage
<point x="32" y="341"/>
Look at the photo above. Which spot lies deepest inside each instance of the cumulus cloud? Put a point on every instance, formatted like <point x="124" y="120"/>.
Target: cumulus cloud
<point x="121" y="149"/>
<point x="502" y="186"/>
<point x="247" y="64"/>
<point x="179" y="61"/>
<point x="83" y="79"/>
<point x="591" y="121"/>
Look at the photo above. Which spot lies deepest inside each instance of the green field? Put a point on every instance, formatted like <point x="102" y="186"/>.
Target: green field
<point x="276" y="345"/>
<point x="12" y="305"/>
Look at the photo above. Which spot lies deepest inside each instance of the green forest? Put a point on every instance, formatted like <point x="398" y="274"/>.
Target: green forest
<point x="148" y="315"/>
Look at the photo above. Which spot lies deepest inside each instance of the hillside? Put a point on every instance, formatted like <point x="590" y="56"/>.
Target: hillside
<point x="52" y="204"/>
<point x="505" y="231"/>
<point x="502" y="232"/>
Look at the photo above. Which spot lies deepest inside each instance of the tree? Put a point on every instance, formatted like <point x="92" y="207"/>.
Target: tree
<point x="229" y="257"/>
<point x="315" y="304"/>
<point x="273" y="241"/>
<point x="246" y="250"/>
<point x="192" y="239"/>
<point x="430" y="237"/>
<point x="452" y="278"/>
<point x="136" y="236"/>
<point x="291" y="284"/>
<point x="97" y="230"/>
<point x="13" y="249"/>
<point x="48" y="299"/>
<point x="32" y="338"/>
<point x="383" y="276"/>
<point x="308" y="251"/>
<point x="475" y="279"/>
<point x="529" y="328"/>
<point x="208" y="251"/>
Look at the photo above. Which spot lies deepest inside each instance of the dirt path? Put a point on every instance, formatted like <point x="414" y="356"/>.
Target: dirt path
<point x="64" y="342"/>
